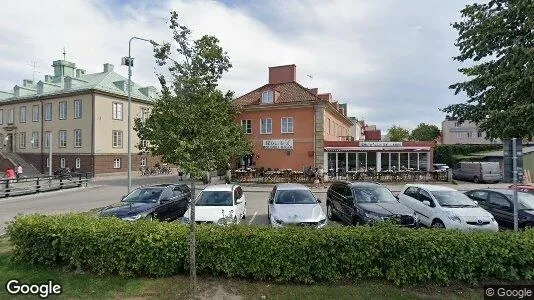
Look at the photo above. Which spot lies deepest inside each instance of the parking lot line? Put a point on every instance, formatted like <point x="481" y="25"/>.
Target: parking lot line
<point x="253" y="217"/>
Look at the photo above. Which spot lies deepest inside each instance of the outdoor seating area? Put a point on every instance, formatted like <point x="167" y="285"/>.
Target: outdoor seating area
<point x="288" y="175"/>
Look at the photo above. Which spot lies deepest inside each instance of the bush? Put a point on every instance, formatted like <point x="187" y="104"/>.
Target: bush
<point x="403" y="256"/>
<point x="446" y="154"/>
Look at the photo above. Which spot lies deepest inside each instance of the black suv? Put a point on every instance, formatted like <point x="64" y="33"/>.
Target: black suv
<point x="364" y="203"/>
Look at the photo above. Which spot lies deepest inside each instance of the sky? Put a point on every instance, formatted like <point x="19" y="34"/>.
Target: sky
<point x="390" y="60"/>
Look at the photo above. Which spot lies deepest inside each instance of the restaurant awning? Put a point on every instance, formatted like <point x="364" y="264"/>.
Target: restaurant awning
<point x="384" y="149"/>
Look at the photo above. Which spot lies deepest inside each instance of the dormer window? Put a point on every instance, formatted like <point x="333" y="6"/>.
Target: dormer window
<point x="267" y="97"/>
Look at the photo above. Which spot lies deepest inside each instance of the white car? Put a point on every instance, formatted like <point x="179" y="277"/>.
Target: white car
<point x="220" y="204"/>
<point x="444" y="207"/>
<point x="294" y="204"/>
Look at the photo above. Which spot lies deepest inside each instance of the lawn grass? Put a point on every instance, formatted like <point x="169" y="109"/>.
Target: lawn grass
<point x="90" y="286"/>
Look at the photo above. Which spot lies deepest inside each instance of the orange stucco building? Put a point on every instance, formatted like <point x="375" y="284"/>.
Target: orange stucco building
<point x="289" y="123"/>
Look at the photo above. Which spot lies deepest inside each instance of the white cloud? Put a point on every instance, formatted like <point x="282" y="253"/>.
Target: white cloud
<point x="352" y="48"/>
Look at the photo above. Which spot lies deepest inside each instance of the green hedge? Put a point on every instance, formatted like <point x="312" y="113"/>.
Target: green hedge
<point x="403" y="256"/>
<point x="445" y="154"/>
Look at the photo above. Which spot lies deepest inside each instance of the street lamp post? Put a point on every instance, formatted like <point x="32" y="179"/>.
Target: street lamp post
<point x="130" y="63"/>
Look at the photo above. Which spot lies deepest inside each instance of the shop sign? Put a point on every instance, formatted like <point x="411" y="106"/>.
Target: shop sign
<point x="381" y="144"/>
<point x="278" y="144"/>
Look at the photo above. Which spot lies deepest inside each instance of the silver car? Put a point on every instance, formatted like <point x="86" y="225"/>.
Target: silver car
<point x="294" y="204"/>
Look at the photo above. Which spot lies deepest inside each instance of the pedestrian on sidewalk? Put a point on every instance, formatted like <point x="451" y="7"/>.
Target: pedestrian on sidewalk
<point x="19" y="172"/>
<point x="10" y="173"/>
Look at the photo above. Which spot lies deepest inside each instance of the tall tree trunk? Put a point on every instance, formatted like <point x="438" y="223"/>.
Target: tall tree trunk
<point x="192" y="241"/>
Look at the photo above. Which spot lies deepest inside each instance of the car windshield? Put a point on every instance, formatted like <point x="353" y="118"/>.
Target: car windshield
<point x="215" y="198"/>
<point x="373" y="195"/>
<point x="295" y="197"/>
<point x="526" y="201"/>
<point x="144" y="195"/>
<point x="452" y="199"/>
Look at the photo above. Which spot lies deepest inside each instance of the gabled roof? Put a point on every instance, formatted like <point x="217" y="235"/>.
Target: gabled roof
<point x="289" y="92"/>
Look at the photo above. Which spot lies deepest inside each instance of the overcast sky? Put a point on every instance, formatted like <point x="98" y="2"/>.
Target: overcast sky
<point x="391" y="61"/>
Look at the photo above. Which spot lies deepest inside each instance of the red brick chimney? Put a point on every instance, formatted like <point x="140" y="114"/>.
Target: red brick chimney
<point x="314" y="91"/>
<point x="325" y="97"/>
<point x="282" y="74"/>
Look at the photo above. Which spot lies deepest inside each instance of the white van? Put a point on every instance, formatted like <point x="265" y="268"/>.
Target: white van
<point x="478" y="172"/>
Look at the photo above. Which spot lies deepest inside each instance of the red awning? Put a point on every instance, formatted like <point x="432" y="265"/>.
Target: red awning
<point x="385" y="149"/>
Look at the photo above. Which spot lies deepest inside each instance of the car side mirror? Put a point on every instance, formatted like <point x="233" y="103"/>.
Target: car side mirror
<point x="122" y="198"/>
<point x="426" y="202"/>
<point x="319" y="201"/>
<point x="238" y="201"/>
<point x="476" y="202"/>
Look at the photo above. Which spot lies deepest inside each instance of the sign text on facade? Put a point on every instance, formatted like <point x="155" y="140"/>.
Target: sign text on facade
<point x="381" y="144"/>
<point x="278" y="144"/>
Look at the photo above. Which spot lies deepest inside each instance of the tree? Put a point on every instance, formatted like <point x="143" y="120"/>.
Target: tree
<point x="425" y="132"/>
<point x="398" y="134"/>
<point x="192" y="124"/>
<point x="499" y="37"/>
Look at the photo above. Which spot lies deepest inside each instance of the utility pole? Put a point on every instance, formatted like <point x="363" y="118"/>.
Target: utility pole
<point x="514" y="168"/>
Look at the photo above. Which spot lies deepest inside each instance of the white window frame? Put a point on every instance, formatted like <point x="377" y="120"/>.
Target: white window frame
<point x="287" y="119"/>
<point x="35" y="113"/>
<point x="117" y="139"/>
<point x="35" y="139"/>
<point x="47" y="135"/>
<point x="11" y="116"/>
<point x="62" y="162"/>
<point x="247" y="125"/>
<point x="48" y="162"/>
<point x="469" y="134"/>
<point x="143" y="161"/>
<point x="22" y="140"/>
<point x="22" y="114"/>
<point x="479" y="134"/>
<point x="144" y="114"/>
<point x="62" y="139"/>
<point x="63" y="110"/>
<point x="78" y="163"/>
<point x="78" y="109"/>
<point x="116" y="163"/>
<point x="1" y="116"/>
<point x="267" y="96"/>
<point x="116" y="113"/>
<point x="261" y="126"/>
<point x="77" y="138"/>
<point x="48" y="112"/>
<point x="459" y="135"/>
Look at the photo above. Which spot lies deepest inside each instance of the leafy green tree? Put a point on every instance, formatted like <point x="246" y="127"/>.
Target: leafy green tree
<point x="425" y="132"/>
<point x="192" y="124"/>
<point x="398" y="134"/>
<point x="498" y="39"/>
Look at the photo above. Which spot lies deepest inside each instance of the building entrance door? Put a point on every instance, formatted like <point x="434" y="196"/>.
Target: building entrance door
<point x="9" y="142"/>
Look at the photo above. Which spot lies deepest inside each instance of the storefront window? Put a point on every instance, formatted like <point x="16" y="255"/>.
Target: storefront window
<point x="384" y="161"/>
<point x="423" y="161"/>
<point x="413" y="161"/>
<point x="362" y="161"/>
<point x="394" y="161"/>
<point x="352" y="161"/>
<point x="403" y="161"/>
<point x="331" y="161"/>
<point x="371" y="161"/>
<point x="341" y="163"/>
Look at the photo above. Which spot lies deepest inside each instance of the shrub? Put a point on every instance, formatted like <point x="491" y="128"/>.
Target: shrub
<point x="403" y="256"/>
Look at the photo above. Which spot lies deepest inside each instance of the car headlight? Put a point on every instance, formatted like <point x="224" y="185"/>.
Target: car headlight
<point x="453" y="217"/>
<point x="322" y="223"/>
<point x="373" y="216"/>
<point x="493" y="220"/>
<point x="415" y="217"/>
<point x="133" y="218"/>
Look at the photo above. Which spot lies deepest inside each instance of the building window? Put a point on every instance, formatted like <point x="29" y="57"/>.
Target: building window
<point x="78" y="163"/>
<point x="143" y="145"/>
<point x="267" y="97"/>
<point x="62" y="162"/>
<point x="266" y="126"/>
<point x="143" y="161"/>
<point x="459" y="135"/>
<point x="117" y="111"/>
<point x="77" y="109"/>
<point x="117" y="138"/>
<point x="77" y="138"/>
<point x="62" y="138"/>
<point x="329" y="132"/>
<point x="287" y="125"/>
<point x="117" y="163"/>
<point x="22" y="115"/>
<point x="469" y="134"/>
<point x="456" y="124"/>
<point x="10" y="116"/>
<point x="62" y="110"/>
<point x="144" y="114"/>
<point x="35" y="113"/>
<point x="48" y="162"/>
<point x="48" y="112"/>
<point x="35" y="139"/>
<point x="479" y="134"/>
<point x="22" y="140"/>
<point x="1" y="116"/>
<point x="47" y="136"/>
<point x="2" y="140"/>
<point x="247" y="126"/>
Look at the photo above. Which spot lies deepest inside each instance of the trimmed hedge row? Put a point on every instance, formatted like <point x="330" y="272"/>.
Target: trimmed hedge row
<point x="445" y="154"/>
<point x="403" y="256"/>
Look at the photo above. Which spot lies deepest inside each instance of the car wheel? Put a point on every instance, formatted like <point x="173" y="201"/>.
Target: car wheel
<point x="438" y="224"/>
<point x="356" y="221"/>
<point x="528" y="225"/>
<point x="476" y="180"/>
<point x="235" y="220"/>
<point x="330" y="213"/>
